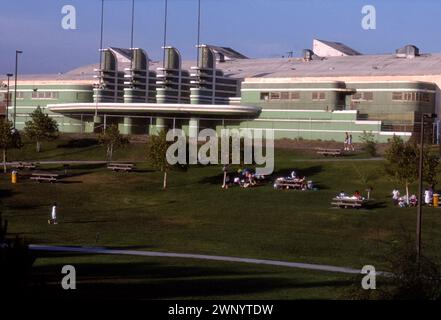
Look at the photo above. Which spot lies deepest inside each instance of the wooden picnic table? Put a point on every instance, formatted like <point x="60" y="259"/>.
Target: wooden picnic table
<point x="44" y="177"/>
<point x="288" y="184"/>
<point x="121" y="166"/>
<point x="329" y="152"/>
<point x="348" y="203"/>
<point x="25" y="165"/>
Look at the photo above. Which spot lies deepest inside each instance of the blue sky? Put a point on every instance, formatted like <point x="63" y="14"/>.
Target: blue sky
<point x="257" y="28"/>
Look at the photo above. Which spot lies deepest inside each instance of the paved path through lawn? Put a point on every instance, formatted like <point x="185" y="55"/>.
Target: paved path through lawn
<point x="97" y="250"/>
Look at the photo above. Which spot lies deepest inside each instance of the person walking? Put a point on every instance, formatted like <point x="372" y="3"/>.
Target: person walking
<point x="350" y="145"/>
<point x="53" y="219"/>
<point x="346" y="142"/>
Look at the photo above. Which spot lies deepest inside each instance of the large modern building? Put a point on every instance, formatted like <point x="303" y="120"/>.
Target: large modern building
<point x="330" y="90"/>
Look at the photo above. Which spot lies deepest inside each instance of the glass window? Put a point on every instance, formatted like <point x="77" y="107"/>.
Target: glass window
<point x="368" y="96"/>
<point x="264" y="96"/>
<point x="397" y="96"/>
<point x="275" y="96"/>
<point x="295" y="95"/>
<point x="284" y="96"/>
<point x="318" y="96"/>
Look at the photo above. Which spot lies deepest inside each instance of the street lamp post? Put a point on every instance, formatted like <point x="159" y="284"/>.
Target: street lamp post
<point x="8" y="75"/>
<point x="17" y="52"/>
<point x="420" y="187"/>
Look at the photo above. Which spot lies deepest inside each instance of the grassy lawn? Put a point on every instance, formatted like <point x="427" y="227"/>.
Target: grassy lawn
<point x="98" y="207"/>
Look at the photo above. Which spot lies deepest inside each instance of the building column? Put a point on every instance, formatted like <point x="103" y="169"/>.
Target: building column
<point x="127" y="126"/>
<point x="193" y="128"/>
<point x="159" y="124"/>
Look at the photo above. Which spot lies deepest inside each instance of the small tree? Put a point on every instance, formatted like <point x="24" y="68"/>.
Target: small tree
<point x="41" y="128"/>
<point x="369" y="143"/>
<point x="430" y="166"/>
<point x="9" y="139"/>
<point x="112" y="139"/>
<point x="402" y="162"/>
<point x="157" y="147"/>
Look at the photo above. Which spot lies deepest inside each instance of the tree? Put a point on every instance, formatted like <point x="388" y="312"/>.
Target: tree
<point x="41" y="127"/>
<point x="369" y="143"/>
<point x="112" y="139"/>
<point x="9" y="139"/>
<point x="402" y="162"/>
<point x="157" y="147"/>
<point x="430" y="166"/>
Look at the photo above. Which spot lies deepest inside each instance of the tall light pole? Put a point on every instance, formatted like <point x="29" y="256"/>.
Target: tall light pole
<point x="420" y="187"/>
<point x="8" y="75"/>
<point x="17" y="52"/>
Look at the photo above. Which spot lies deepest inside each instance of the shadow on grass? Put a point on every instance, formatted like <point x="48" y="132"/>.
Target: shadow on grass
<point x="304" y="172"/>
<point x="6" y="193"/>
<point x="159" y="281"/>
<point x="79" y="143"/>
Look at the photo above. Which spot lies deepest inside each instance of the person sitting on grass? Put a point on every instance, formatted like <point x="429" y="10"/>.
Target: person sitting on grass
<point x="402" y="202"/>
<point x="342" y="195"/>
<point x="357" y="195"/>
<point x="395" y="196"/>
<point x="293" y="175"/>
<point x="413" y="200"/>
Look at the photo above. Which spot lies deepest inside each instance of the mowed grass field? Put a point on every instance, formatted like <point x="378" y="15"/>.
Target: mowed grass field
<point x="98" y="207"/>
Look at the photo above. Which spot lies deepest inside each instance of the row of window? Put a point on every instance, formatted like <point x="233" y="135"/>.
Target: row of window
<point x="48" y="95"/>
<point x="396" y="96"/>
<point x="290" y="96"/>
<point x="357" y="97"/>
<point x="363" y="96"/>
<point x="411" y="96"/>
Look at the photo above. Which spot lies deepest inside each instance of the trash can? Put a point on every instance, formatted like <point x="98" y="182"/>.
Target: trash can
<point x="436" y="200"/>
<point x="14" y="176"/>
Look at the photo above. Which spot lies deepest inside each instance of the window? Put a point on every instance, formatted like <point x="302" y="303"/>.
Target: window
<point x="318" y="96"/>
<point x="368" y="96"/>
<point x="275" y="95"/>
<point x="47" y="95"/>
<point x="411" y="96"/>
<point x="284" y="96"/>
<point x="264" y="96"/>
<point x="295" y="95"/>
<point x="363" y="96"/>
<point x="397" y="96"/>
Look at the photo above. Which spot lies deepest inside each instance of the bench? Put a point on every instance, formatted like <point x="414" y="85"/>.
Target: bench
<point x="121" y="166"/>
<point x="44" y="177"/>
<point x="25" y="165"/>
<point x="329" y="152"/>
<point x="348" y="203"/>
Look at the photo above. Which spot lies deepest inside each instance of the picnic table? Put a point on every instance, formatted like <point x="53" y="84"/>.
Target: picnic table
<point x="348" y="202"/>
<point x="25" y="165"/>
<point x="329" y="152"/>
<point x="121" y="166"/>
<point x="44" y="177"/>
<point x="284" y="183"/>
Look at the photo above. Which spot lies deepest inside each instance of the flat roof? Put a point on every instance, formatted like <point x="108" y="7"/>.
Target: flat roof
<point x="161" y="108"/>
<point x="361" y="66"/>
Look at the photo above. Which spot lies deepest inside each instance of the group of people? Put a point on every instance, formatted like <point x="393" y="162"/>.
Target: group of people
<point x="348" y="146"/>
<point x="356" y="196"/>
<point x="244" y="178"/>
<point x="300" y="182"/>
<point x="403" y="202"/>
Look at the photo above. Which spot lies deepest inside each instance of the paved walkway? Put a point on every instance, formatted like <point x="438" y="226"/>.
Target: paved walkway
<point x="336" y="159"/>
<point x="97" y="250"/>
